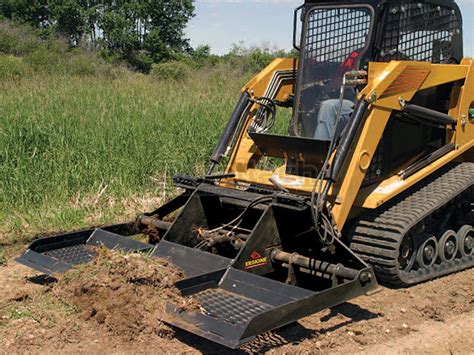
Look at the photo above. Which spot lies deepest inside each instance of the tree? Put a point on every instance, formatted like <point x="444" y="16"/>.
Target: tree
<point x="33" y="12"/>
<point x="69" y="19"/>
<point x="147" y="31"/>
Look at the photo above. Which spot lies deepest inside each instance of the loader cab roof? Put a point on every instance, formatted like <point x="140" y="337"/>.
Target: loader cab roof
<point x="374" y="3"/>
<point x="409" y="21"/>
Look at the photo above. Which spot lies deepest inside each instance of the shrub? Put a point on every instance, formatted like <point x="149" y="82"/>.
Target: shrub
<point x="12" y="68"/>
<point x="173" y="70"/>
<point x="43" y="59"/>
<point x="252" y="59"/>
<point x="16" y="40"/>
<point x="140" y="61"/>
<point x="81" y="64"/>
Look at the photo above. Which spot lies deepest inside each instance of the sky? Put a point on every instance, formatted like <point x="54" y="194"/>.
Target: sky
<point x="222" y="23"/>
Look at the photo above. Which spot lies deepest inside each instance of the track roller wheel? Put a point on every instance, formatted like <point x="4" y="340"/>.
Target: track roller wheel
<point x="427" y="253"/>
<point x="407" y="256"/>
<point x="448" y="246"/>
<point x="466" y="240"/>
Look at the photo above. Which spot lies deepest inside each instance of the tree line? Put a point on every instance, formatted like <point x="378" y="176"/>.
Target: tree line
<point x="141" y="32"/>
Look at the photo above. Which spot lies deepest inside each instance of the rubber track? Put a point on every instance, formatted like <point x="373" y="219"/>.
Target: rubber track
<point x="376" y="237"/>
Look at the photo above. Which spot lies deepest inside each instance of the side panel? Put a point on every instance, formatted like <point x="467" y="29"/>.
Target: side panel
<point x="388" y="88"/>
<point x="463" y="137"/>
<point x="346" y="188"/>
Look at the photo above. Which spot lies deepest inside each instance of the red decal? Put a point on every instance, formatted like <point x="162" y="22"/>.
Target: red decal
<point x="255" y="255"/>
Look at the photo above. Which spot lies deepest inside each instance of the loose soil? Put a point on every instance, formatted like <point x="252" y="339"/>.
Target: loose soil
<point x="124" y="293"/>
<point x="116" y="303"/>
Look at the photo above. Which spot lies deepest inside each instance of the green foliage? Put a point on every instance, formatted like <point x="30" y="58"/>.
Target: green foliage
<point x="12" y="68"/>
<point x="201" y="53"/>
<point x="82" y="64"/>
<point x="244" y="59"/>
<point x="252" y="59"/>
<point x="201" y="57"/>
<point x="22" y="53"/>
<point x="68" y="18"/>
<point x="44" y="60"/>
<point x="140" y="32"/>
<point x="16" y="40"/>
<point x="33" y="12"/>
<point x="141" y="61"/>
<point x="171" y="70"/>
<point x="47" y="60"/>
<point x="158" y="38"/>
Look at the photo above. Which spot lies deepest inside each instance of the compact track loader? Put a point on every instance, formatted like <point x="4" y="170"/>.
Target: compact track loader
<point x="372" y="181"/>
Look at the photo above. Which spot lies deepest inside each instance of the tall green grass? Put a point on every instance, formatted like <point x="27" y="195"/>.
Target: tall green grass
<point x="73" y="149"/>
<point x="85" y="141"/>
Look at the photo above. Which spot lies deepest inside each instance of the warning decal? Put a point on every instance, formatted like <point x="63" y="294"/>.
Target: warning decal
<point x="257" y="260"/>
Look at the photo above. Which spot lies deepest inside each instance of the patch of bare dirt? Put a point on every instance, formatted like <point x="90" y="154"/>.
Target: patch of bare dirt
<point x="388" y="317"/>
<point x="14" y="286"/>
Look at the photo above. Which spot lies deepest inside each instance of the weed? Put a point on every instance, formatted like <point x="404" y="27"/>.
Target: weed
<point x="107" y="264"/>
<point x="18" y="313"/>
<point x="71" y="275"/>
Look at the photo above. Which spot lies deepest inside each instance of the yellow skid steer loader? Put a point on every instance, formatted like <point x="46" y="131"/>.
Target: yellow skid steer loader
<point x="372" y="180"/>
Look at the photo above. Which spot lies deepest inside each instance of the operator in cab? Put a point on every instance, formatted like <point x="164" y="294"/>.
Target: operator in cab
<point x="321" y="101"/>
<point x="326" y="126"/>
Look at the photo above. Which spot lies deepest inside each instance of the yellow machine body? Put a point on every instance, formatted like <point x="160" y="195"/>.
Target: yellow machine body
<point x="388" y="87"/>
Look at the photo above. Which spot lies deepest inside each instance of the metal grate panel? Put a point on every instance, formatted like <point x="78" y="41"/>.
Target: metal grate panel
<point x="73" y="255"/>
<point x="419" y="31"/>
<point x="334" y="33"/>
<point x="230" y="307"/>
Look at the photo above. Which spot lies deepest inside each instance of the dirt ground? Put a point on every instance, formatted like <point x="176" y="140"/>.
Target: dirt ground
<point x="435" y="317"/>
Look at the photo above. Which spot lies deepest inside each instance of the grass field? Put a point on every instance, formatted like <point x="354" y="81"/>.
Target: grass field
<point x="76" y="150"/>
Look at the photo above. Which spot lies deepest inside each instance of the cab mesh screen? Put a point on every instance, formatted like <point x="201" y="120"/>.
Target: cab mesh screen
<point x="419" y="31"/>
<point x="333" y="34"/>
